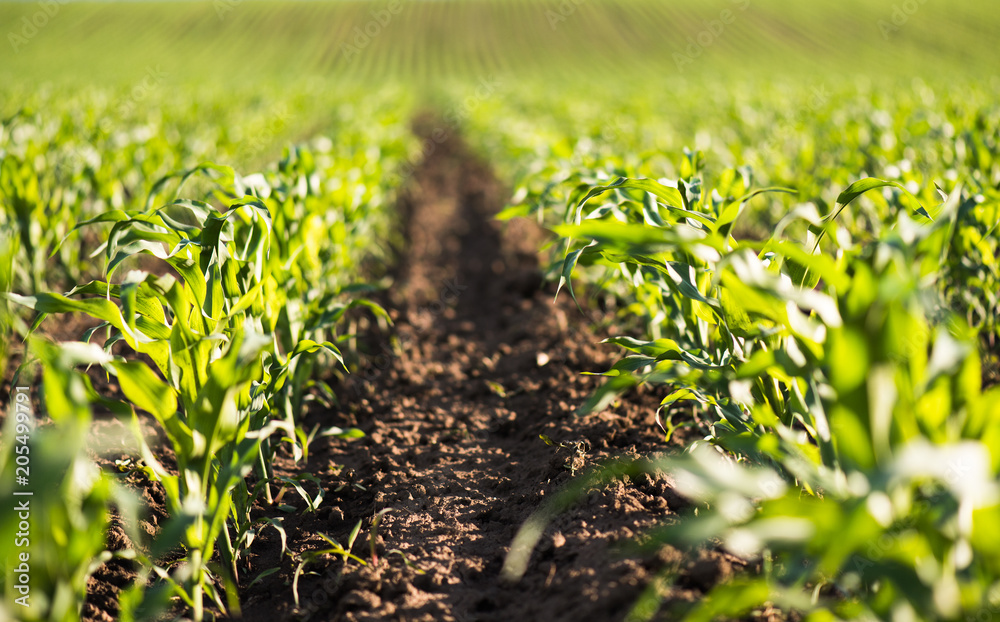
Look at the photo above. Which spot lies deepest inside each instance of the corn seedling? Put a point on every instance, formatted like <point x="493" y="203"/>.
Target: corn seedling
<point x="203" y="334"/>
<point x="56" y="541"/>
<point x="334" y="549"/>
<point x="832" y="375"/>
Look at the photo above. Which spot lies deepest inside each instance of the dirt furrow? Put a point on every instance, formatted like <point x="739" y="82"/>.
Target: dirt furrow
<point x="481" y="363"/>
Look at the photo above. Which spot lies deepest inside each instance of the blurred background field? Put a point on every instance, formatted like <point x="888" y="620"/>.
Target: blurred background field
<point x="423" y="42"/>
<point x="274" y="70"/>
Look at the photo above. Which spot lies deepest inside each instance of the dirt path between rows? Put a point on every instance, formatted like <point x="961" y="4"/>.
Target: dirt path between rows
<point x="480" y="364"/>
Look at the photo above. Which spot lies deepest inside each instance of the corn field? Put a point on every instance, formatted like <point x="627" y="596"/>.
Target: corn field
<point x="493" y="309"/>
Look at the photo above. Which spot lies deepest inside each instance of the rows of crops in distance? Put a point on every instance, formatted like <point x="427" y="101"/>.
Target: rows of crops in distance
<point x="424" y="42"/>
<point x="814" y="136"/>
<point x="236" y="287"/>
<point x="70" y="155"/>
<point x="814" y="276"/>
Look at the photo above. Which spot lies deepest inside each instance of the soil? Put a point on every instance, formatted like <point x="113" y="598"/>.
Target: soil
<point x="481" y="362"/>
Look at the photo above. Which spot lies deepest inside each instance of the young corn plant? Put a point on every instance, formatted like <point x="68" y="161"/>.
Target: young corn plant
<point x="319" y="239"/>
<point x="37" y="209"/>
<point x="54" y="539"/>
<point x="203" y="332"/>
<point x="900" y="472"/>
<point x="840" y="376"/>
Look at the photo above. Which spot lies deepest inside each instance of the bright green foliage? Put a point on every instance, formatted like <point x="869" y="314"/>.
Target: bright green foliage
<point x="830" y="334"/>
<point x="814" y="137"/>
<point x="843" y="373"/>
<point x="67" y="155"/>
<point x="69" y="506"/>
<point x="197" y="333"/>
<point x="8" y="249"/>
<point x="252" y="294"/>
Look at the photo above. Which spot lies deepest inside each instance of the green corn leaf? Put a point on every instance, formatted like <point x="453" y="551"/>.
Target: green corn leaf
<point x="670" y="196"/>
<point x="310" y="346"/>
<point x="870" y="183"/>
<point x="145" y="389"/>
<point x="607" y="393"/>
<point x="566" y="276"/>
